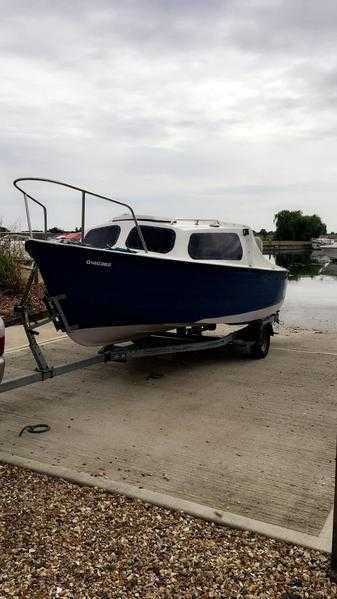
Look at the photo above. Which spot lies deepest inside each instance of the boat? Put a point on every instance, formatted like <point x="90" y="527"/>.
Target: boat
<point x="320" y="243"/>
<point x="137" y="275"/>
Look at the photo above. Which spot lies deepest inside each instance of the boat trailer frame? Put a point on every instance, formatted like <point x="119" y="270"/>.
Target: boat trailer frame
<point x="254" y="337"/>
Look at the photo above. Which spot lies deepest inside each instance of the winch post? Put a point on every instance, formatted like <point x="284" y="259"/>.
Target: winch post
<point x="42" y="365"/>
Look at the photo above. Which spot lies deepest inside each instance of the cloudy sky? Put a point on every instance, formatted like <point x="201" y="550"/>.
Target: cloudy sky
<point x="195" y="107"/>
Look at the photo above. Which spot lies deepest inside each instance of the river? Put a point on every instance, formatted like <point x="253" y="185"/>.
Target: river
<point x="311" y="300"/>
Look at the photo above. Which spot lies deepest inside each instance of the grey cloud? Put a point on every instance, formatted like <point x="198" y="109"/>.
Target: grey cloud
<point x="168" y="26"/>
<point x="173" y="101"/>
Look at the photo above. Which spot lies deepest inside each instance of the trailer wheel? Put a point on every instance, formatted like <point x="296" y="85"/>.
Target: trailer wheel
<point x="261" y="346"/>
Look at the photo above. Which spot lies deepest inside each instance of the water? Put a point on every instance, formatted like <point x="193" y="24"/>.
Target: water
<point x="311" y="300"/>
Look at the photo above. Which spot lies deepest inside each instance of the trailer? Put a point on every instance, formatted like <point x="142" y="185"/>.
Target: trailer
<point x="253" y="338"/>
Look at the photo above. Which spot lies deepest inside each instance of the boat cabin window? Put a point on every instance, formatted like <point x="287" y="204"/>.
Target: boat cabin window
<point x="215" y="246"/>
<point x="103" y="237"/>
<point x="157" y="239"/>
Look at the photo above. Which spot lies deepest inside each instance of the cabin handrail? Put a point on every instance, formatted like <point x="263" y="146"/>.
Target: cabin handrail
<point x="196" y="221"/>
<point x="84" y="194"/>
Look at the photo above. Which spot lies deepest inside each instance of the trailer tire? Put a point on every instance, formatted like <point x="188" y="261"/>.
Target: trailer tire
<point x="261" y="346"/>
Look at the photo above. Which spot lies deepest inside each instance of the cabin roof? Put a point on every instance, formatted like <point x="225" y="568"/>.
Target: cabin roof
<point x="187" y="224"/>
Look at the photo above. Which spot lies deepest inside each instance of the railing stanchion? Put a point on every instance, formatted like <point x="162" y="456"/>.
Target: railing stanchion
<point x="45" y="221"/>
<point x="28" y="216"/>
<point x="83" y="217"/>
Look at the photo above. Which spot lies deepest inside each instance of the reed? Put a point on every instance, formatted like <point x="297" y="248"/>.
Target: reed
<point x="11" y="256"/>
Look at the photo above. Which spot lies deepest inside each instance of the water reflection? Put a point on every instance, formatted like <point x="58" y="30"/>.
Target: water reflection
<point x="304" y="264"/>
<point x="299" y="265"/>
<point x="311" y="299"/>
<point x="330" y="268"/>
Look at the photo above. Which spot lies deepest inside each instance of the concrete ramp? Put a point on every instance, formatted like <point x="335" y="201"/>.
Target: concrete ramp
<point x="255" y="439"/>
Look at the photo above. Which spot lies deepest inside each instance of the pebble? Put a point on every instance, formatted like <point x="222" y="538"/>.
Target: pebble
<point x="61" y="540"/>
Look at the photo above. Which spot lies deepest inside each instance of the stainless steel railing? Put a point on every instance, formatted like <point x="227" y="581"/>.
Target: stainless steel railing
<point x="84" y="194"/>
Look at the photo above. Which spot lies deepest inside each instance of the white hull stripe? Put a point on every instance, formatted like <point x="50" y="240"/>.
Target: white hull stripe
<point x="105" y="335"/>
<point x="245" y="317"/>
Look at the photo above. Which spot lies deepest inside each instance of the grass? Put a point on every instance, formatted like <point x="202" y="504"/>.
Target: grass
<point x="10" y="266"/>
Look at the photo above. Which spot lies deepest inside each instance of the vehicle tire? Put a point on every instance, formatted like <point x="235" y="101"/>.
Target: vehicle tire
<point x="261" y="346"/>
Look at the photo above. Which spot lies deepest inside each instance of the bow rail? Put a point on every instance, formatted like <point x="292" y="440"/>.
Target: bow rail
<point x="84" y="194"/>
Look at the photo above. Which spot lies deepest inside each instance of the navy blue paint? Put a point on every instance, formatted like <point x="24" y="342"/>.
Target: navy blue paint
<point x="149" y="290"/>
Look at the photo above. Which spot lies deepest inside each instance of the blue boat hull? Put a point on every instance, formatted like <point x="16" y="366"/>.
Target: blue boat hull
<point x="109" y="294"/>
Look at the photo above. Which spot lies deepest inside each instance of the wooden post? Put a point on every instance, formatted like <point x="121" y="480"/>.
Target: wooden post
<point x="334" y="525"/>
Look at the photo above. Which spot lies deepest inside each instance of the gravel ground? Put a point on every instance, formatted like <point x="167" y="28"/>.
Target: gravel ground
<point x="61" y="540"/>
<point x="8" y="301"/>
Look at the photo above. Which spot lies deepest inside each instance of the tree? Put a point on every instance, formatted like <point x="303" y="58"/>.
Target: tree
<point x="293" y="225"/>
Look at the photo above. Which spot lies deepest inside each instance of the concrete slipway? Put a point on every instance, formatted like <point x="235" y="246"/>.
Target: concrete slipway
<point x="247" y="443"/>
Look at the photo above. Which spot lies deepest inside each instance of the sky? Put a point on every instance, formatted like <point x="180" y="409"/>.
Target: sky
<point x="181" y="108"/>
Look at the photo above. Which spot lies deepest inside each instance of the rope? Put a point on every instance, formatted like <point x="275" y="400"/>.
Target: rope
<point x="35" y="428"/>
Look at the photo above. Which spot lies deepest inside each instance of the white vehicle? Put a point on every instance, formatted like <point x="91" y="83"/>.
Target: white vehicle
<point x="2" y="348"/>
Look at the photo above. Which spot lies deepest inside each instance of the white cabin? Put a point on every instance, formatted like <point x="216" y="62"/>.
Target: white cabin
<point x="200" y="240"/>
